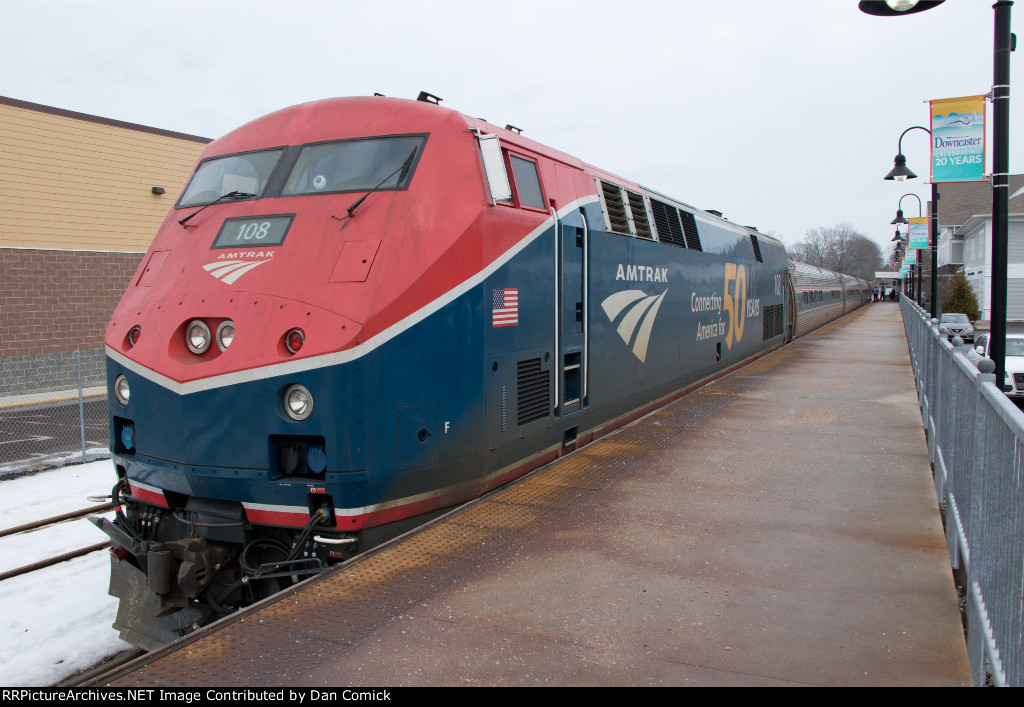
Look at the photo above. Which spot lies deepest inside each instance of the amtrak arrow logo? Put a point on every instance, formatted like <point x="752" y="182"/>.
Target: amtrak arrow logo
<point x="227" y="271"/>
<point x="640" y="310"/>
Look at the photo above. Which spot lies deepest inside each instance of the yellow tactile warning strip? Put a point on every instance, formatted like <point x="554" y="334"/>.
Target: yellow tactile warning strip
<point x="283" y="637"/>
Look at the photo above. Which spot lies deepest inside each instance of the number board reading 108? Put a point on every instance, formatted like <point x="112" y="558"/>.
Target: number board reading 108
<point x="253" y="230"/>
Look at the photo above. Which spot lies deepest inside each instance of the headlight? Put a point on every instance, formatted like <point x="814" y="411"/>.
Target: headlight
<point x="225" y="334"/>
<point x="121" y="389"/>
<point x="298" y="402"/>
<point x="133" y="335"/>
<point x="197" y="336"/>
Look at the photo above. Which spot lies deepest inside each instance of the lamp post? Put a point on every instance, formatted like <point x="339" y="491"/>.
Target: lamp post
<point x="898" y="251"/>
<point x="900" y="219"/>
<point x="900" y="173"/>
<point x="1003" y="45"/>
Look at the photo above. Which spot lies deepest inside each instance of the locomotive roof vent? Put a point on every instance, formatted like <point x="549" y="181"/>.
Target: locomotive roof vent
<point x="517" y="131"/>
<point x="715" y="213"/>
<point x="428" y="98"/>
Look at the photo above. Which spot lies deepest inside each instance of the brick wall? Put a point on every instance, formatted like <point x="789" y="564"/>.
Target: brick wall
<point x="59" y="300"/>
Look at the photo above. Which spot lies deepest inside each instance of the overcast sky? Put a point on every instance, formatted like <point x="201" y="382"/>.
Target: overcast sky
<point x="782" y="114"/>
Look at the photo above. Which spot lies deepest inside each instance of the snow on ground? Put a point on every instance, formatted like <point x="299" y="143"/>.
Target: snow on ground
<point x="57" y="621"/>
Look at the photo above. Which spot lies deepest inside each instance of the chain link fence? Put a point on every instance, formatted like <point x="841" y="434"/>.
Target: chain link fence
<point x="53" y="410"/>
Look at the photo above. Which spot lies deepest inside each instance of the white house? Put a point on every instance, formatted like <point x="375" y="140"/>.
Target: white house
<point x="965" y="239"/>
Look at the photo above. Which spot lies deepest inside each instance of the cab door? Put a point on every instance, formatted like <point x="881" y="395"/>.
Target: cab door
<point x="571" y="236"/>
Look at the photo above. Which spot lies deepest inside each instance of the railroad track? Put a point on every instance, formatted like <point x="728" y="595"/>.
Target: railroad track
<point x="91" y="675"/>
<point x="39" y="524"/>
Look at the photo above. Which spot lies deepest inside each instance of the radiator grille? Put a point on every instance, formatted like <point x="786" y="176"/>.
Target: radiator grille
<point x="533" y="392"/>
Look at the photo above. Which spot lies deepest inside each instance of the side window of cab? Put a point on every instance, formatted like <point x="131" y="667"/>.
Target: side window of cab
<point x="526" y="186"/>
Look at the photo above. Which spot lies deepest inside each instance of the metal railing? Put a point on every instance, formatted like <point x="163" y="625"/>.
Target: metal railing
<point x="976" y="445"/>
<point x="52" y="411"/>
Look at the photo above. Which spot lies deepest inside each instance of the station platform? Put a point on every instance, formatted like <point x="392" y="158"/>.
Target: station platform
<point x="776" y="527"/>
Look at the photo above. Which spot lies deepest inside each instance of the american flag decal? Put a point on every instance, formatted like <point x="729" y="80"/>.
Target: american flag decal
<point x="505" y="307"/>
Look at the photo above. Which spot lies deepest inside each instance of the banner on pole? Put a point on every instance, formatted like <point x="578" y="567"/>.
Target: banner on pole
<point x="918" y="232"/>
<point x="958" y="139"/>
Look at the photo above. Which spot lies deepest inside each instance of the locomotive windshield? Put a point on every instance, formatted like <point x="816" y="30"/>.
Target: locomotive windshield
<point x="353" y="165"/>
<point x="247" y="173"/>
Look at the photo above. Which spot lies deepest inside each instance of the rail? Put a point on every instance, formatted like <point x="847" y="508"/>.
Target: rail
<point x="976" y="446"/>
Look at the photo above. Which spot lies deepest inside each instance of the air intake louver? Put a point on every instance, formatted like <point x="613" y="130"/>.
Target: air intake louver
<point x="757" y="248"/>
<point x="666" y="220"/>
<point x="533" y="392"/>
<point x="616" y="209"/>
<point x="774" y="322"/>
<point x="640" y="222"/>
<point x="690" y="229"/>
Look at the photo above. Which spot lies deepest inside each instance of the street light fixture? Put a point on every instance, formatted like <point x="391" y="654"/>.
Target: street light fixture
<point x="1003" y="45"/>
<point x="899" y="173"/>
<point x="899" y="211"/>
<point x="894" y="8"/>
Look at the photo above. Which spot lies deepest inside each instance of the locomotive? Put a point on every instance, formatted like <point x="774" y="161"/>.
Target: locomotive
<point x="363" y="311"/>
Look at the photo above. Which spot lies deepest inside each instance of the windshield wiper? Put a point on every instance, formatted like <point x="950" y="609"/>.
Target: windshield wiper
<point x="222" y="197"/>
<point x="403" y="169"/>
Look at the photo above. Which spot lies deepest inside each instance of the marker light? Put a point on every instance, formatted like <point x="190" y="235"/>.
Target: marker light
<point x="225" y="334"/>
<point x="197" y="336"/>
<point x="121" y="390"/>
<point x="133" y="335"/>
<point x="298" y="402"/>
<point x="294" y="339"/>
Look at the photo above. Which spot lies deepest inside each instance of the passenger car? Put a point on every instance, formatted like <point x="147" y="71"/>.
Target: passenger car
<point x="1013" y="385"/>
<point x="957" y="325"/>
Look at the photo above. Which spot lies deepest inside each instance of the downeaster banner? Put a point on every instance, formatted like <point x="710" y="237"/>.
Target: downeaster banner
<point x="918" y="232"/>
<point x="958" y="139"/>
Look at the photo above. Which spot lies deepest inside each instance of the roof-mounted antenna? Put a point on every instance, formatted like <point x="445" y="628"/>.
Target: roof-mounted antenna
<point x="379" y="94"/>
<point x="428" y="98"/>
<point x="517" y="131"/>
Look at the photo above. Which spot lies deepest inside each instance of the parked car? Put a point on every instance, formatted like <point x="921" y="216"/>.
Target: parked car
<point x="958" y="325"/>
<point x="1013" y="385"/>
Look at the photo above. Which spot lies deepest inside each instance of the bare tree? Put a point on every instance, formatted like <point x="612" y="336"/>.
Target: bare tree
<point x="839" y="248"/>
<point x="892" y="259"/>
<point x="864" y="257"/>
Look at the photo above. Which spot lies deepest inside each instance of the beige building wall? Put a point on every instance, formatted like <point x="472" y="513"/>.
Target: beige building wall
<point x="77" y="212"/>
<point x="72" y="181"/>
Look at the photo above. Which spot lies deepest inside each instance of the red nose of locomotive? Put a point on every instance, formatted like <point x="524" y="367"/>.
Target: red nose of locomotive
<point x="290" y="251"/>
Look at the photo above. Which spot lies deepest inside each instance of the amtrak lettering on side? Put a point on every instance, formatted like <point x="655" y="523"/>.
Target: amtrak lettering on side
<point x="641" y="273"/>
